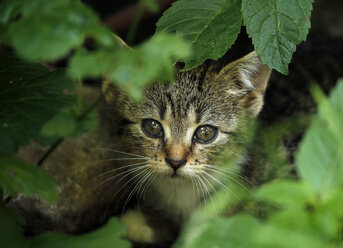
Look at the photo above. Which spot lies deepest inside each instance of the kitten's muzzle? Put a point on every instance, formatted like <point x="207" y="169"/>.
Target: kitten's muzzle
<point x="175" y="163"/>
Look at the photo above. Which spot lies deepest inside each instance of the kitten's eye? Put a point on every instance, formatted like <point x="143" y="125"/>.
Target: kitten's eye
<point x="152" y="128"/>
<point x="205" y="134"/>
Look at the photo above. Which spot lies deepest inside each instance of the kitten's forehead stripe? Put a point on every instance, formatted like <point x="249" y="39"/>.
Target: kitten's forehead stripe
<point x="162" y="111"/>
<point x="171" y="103"/>
<point x="202" y="78"/>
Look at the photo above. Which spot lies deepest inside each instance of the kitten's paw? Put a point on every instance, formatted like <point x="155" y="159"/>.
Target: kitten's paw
<point x="138" y="228"/>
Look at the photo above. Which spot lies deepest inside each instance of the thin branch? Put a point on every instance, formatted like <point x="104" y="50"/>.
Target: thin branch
<point x="60" y="140"/>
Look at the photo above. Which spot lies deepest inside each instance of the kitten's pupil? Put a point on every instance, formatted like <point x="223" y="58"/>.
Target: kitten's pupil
<point x="205" y="134"/>
<point x="152" y="128"/>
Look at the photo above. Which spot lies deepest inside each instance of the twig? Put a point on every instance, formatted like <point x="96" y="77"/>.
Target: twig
<point x="60" y="140"/>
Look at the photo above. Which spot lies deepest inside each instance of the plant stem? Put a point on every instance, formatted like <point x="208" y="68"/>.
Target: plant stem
<point x="79" y="97"/>
<point x="60" y="140"/>
<point x="134" y="24"/>
<point x="51" y="149"/>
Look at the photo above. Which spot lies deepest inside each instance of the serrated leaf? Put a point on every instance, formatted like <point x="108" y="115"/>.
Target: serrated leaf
<point x="320" y="159"/>
<point x="109" y="236"/>
<point x="276" y="27"/>
<point x="287" y="192"/>
<point x="30" y="96"/>
<point x="133" y="69"/>
<point x="210" y="26"/>
<point x="48" y="30"/>
<point x="17" y="176"/>
<point x="67" y="123"/>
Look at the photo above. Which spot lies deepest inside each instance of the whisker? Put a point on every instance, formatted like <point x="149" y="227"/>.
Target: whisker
<point x="201" y="186"/>
<point x="225" y="187"/>
<point x="221" y="170"/>
<point x="126" y="153"/>
<point x="150" y="180"/>
<point x="119" y="168"/>
<point x="135" y="189"/>
<point x="118" y="159"/>
<point x="144" y="179"/>
<point x="194" y="179"/>
<point x="208" y="191"/>
<point x="231" y="178"/>
<point x="142" y="187"/>
<point x="132" y="178"/>
<point x="232" y="170"/>
<point x="128" y="172"/>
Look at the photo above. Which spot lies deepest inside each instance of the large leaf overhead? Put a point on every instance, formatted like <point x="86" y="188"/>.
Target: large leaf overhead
<point x="276" y="27"/>
<point x="210" y="26"/>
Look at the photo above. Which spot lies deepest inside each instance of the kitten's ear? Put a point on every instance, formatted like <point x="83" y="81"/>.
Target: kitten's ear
<point x="115" y="97"/>
<point x="109" y="91"/>
<point x="246" y="79"/>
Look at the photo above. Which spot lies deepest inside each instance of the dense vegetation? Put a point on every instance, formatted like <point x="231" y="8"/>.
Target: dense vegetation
<point x="46" y="106"/>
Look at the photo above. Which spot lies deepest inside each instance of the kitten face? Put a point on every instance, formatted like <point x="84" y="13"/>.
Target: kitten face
<point x="183" y="125"/>
<point x="192" y="126"/>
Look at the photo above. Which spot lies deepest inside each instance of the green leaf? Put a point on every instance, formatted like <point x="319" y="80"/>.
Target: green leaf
<point x="50" y="29"/>
<point x="320" y="159"/>
<point x="276" y="27"/>
<point x="67" y="123"/>
<point x="17" y="176"/>
<point x="246" y="231"/>
<point x="10" y="232"/>
<point x="30" y="96"/>
<point x="109" y="236"/>
<point x="221" y="233"/>
<point x="276" y="236"/>
<point x="151" y="5"/>
<point x="210" y="26"/>
<point x="9" y="9"/>
<point x="334" y="202"/>
<point x="133" y="69"/>
<point x="317" y="222"/>
<point x="287" y="192"/>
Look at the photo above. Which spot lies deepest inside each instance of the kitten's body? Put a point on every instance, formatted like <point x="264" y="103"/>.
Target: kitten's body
<point x="179" y="170"/>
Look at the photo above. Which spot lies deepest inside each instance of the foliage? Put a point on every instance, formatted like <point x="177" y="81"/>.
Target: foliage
<point x="309" y="210"/>
<point x="30" y="96"/>
<point x="11" y="236"/>
<point x="210" y="26"/>
<point x="275" y="26"/>
<point x="132" y="69"/>
<point x="45" y="106"/>
<point x="17" y="176"/>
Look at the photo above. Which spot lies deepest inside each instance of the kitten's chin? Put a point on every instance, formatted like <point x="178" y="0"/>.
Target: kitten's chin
<point x="180" y="176"/>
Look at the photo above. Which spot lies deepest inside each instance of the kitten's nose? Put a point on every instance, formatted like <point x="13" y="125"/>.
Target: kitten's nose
<point x="175" y="163"/>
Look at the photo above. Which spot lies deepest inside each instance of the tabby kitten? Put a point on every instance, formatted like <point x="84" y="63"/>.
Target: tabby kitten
<point x="176" y="134"/>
